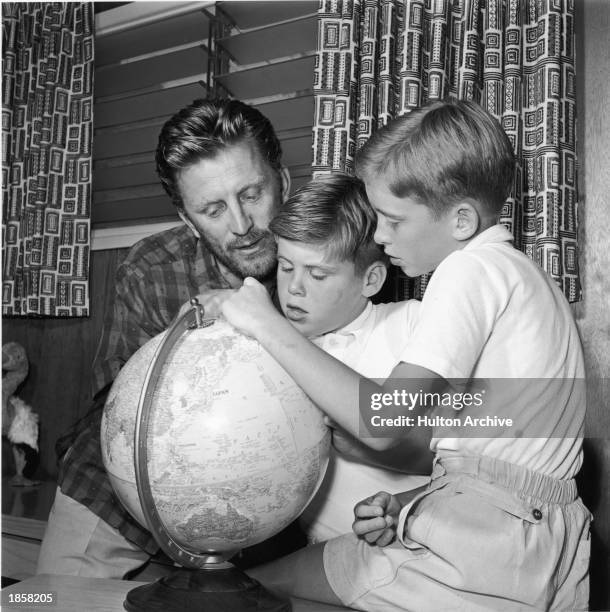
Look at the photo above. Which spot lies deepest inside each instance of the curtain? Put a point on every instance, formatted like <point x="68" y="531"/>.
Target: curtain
<point x="47" y="114"/>
<point x="378" y="59"/>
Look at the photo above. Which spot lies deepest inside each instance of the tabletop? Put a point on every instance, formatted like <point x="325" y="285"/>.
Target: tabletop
<point x="75" y="594"/>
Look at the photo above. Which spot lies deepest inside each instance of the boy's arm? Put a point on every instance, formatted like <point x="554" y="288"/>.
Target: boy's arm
<point x="329" y="383"/>
<point x="411" y="455"/>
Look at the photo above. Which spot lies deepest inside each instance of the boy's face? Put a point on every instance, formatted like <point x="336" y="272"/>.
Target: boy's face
<point x="409" y="232"/>
<point x="317" y="295"/>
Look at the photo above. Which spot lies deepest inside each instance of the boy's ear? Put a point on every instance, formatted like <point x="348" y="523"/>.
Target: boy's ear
<point x="285" y="177"/>
<point x="466" y="221"/>
<point x="373" y="278"/>
<point x="182" y="214"/>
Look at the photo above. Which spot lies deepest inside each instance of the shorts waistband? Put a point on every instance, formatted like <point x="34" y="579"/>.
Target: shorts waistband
<point x="524" y="482"/>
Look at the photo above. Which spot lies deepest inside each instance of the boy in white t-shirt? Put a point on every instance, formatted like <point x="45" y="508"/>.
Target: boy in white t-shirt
<point x="329" y="268"/>
<point x="501" y="526"/>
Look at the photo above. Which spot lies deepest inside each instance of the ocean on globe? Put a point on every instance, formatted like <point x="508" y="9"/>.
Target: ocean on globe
<point x="236" y="450"/>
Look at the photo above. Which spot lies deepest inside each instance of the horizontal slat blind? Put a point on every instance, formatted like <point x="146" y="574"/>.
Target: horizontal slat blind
<point x="116" y="176"/>
<point x="153" y="37"/>
<point x="143" y="75"/>
<point x="272" y="55"/>
<point x="130" y="108"/>
<point x="289" y="38"/>
<point x="282" y="76"/>
<point x="149" y="71"/>
<point x="146" y="73"/>
<point x="265" y="13"/>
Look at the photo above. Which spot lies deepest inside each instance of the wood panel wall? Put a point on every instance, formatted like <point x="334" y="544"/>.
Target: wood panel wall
<point x="61" y="353"/>
<point x="592" y="22"/>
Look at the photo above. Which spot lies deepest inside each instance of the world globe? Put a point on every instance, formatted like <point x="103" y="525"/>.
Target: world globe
<point x="234" y="449"/>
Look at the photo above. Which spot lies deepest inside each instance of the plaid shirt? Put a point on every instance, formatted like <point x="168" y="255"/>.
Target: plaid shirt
<point x="158" y="276"/>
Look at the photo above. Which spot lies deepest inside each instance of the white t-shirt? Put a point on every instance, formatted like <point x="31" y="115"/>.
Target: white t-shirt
<point x="372" y="345"/>
<point x="489" y="312"/>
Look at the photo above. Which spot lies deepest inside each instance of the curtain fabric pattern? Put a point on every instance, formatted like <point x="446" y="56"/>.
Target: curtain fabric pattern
<point x="47" y="115"/>
<point x="378" y="59"/>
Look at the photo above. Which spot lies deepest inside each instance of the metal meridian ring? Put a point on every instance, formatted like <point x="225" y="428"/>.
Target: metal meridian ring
<point x="193" y="319"/>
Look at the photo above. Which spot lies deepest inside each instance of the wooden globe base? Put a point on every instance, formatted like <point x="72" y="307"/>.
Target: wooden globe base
<point x="211" y="590"/>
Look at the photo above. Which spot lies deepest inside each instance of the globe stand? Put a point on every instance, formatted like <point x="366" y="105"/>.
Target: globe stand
<point x="206" y="582"/>
<point x="222" y="589"/>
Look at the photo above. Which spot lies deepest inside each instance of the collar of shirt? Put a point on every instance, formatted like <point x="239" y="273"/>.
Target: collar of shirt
<point x="494" y="234"/>
<point x="337" y="342"/>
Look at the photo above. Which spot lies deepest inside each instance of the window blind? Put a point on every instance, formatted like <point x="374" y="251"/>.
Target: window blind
<point x="149" y="67"/>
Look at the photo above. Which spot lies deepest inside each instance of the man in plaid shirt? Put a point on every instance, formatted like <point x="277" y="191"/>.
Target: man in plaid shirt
<point x="220" y="162"/>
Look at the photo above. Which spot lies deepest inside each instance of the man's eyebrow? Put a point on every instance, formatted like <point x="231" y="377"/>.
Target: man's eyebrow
<point x="205" y="203"/>
<point x="258" y="183"/>
<point x="202" y="202"/>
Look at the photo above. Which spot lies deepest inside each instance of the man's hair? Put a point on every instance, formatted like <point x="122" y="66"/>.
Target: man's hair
<point x="205" y="127"/>
<point x="440" y="154"/>
<point x="334" y="213"/>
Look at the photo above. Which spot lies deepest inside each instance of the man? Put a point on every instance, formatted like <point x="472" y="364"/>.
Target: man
<point x="220" y="162"/>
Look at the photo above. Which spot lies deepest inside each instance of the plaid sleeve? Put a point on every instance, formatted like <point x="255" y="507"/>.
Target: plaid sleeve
<point x="137" y="315"/>
<point x="151" y="284"/>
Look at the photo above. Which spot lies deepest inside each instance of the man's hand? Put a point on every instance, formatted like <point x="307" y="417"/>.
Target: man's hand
<point x="377" y="518"/>
<point x="250" y="308"/>
<point x="210" y="300"/>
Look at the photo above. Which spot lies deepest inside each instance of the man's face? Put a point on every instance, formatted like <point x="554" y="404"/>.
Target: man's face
<point x="410" y="234"/>
<point x="229" y="201"/>
<point x="317" y="295"/>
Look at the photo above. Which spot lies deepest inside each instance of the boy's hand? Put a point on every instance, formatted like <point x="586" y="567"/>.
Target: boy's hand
<point x="376" y="518"/>
<point x="249" y="308"/>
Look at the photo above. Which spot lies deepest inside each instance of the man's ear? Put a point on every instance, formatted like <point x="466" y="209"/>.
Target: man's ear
<point x="182" y="214"/>
<point x="373" y="279"/>
<point x="285" y="178"/>
<point x="466" y="221"/>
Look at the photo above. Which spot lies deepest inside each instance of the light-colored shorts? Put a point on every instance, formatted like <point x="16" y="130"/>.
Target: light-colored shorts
<point x="486" y="535"/>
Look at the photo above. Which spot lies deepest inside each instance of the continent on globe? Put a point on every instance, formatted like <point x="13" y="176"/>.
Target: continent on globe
<point x="236" y="450"/>
<point x="210" y="523"/>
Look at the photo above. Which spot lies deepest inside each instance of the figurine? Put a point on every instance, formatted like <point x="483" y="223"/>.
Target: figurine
<point x="19" y="421"/>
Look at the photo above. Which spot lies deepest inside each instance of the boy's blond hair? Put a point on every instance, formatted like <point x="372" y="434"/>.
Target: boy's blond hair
<point x="440" y="154"/>
<point x="334" y="213"/>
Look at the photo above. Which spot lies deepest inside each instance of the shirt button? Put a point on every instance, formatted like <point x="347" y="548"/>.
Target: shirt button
<point x="536" y="514"/>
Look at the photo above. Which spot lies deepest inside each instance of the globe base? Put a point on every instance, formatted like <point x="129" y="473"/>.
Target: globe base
<point x="213" y="590"/>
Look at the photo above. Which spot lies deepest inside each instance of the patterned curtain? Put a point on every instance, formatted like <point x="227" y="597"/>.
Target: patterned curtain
<point x="377" y="59"/>
<point x="47" y="114"/>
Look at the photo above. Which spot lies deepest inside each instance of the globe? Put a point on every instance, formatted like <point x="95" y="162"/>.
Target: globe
<point x="235" y="449"/>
